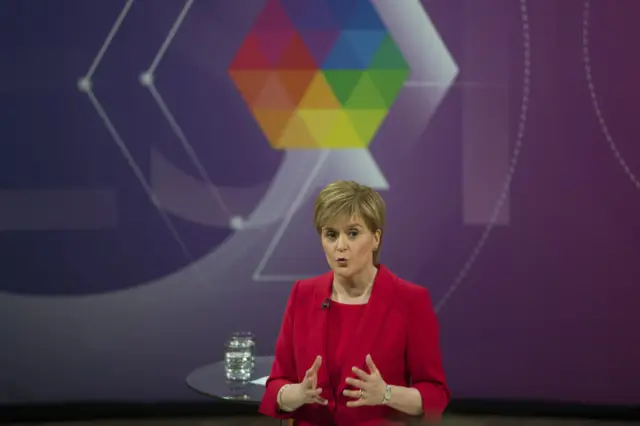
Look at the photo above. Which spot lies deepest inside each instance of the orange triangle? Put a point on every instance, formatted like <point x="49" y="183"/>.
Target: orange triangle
<point x="273" y="95"/>
<point x="249" y="83"/>
<point x="272" y="122"/>
<point x="319" y="95"/>
<point x="296" y="135"/>
<point x="296" y="82"/>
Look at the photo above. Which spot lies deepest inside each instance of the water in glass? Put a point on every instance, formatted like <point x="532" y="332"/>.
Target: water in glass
<point x="239" y="358"/>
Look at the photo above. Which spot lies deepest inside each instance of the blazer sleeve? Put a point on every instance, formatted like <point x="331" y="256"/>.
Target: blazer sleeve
<point x="424" y="361"/>
<point x="283" y="370"/>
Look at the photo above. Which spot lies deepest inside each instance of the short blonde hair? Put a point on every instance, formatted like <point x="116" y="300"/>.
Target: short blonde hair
<point x="350" y="199"/>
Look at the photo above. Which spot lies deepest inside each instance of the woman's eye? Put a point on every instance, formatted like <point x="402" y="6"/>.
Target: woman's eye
<point x="353" y="234"/>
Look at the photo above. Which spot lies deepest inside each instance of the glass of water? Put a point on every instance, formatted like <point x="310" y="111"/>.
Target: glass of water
<point x="239" y="357"/>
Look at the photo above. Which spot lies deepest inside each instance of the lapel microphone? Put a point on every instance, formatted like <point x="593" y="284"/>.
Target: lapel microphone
<point x="326" y="303"/>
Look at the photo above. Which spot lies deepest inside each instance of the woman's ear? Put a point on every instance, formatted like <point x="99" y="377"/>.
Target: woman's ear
<point x="377" y="236"/>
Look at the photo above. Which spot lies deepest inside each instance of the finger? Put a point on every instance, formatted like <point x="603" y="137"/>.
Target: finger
<point x="320" y="401"/>
<point x="372" y="367"/>
<point x="361" y="373"/>
<point x="351" y="393"/>
<point x="316" y="364"/>
<point x="310" y="374"/>
<point x="312" y="393"/>
<point x="313" y="397"/>
<point x="355" y="383"/>
<point x="356" y="403"/>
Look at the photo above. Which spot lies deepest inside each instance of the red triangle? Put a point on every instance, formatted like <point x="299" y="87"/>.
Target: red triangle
<point x="273" y="17"/>
<point x="249" y="55"/>
<point x="273" y="43"/>
<point x="297" y="56"/>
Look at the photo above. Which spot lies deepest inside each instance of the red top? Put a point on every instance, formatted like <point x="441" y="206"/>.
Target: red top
<point x="398" y="327"/>
<point x="342" y="324"/>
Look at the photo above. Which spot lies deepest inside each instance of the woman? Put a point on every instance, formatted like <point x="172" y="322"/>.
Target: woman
<point x="358" y="345"/>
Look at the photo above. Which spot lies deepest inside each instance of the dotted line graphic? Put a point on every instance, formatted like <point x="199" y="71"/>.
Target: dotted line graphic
<point x="594" y="99"/>
<point x="506" y="186"/>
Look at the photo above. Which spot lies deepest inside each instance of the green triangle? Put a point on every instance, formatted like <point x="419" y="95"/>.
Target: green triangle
<point x="365" y="95"/>
<point x="342" y="82"/>
<point x="388" y="83"/>
<point x="366" y="122"/>
<point x="388" y="57"/>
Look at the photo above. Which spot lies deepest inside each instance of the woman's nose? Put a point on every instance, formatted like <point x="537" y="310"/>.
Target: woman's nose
<point x="341" y="244"/>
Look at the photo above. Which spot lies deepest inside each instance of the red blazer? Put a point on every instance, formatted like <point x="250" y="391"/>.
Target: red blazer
<point x="400" y="331"/>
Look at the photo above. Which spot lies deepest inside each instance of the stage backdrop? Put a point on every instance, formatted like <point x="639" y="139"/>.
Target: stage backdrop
<point x="159" y="159"/>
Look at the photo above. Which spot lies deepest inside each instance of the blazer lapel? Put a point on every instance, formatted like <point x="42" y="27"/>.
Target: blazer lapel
<point x="317" y="338"/>
<point x="372" y="321"/>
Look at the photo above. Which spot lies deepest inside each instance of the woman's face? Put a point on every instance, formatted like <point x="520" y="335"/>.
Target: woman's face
<point x="349" y="245"/>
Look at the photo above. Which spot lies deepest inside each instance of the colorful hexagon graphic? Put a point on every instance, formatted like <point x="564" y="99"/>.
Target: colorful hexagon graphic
<point x="319" y="74"/>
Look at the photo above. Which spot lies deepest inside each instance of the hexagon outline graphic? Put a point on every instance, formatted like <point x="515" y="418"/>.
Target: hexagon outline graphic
<point x="321" y="80"/>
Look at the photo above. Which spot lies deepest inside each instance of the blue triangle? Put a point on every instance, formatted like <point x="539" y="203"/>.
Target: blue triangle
<point x="365" y="43"/>
<point x="343" y="56"/>
<point x="342" y="10"/>
<point x="364" y="17"/>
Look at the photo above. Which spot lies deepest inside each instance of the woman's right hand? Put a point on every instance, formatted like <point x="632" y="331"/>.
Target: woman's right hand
<point x="305" y="392"/>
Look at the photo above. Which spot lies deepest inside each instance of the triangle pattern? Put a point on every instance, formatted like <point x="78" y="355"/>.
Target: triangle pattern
<point x="343" y="56"/>
<point x="365" y="95"/>
<point x="273" y="95"/>
<point x="342" y="134"/>
<point x="341" y="10"/>
<point x="310" y="15"/>
<point x="366" y="122"/>
<point x="250" y="55"/>
<point x="273" y="43"/>
<point x="389" y="83"/>
<point x="389" y="56"/>
<point x="273" y="123"/>
<point x="364" y="17"/>
<point x="319" y="42"/>
<point x="319" y="95"/>
<point x="365" y="43"/>
<point x="250" y="83"/>
<point x="319" y="122"/>
<point x="296" y="56"/>
<point x="273" y="16"/>
<point x="296" y="82"/>
<point x="296" y="135"/>
<point x="342" y="82"/>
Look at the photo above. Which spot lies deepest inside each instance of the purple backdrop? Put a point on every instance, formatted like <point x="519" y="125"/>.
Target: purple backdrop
<point x="144" y="219"/>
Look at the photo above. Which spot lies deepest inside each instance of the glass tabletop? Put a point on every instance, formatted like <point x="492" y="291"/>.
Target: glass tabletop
<point x="210" y="380"/>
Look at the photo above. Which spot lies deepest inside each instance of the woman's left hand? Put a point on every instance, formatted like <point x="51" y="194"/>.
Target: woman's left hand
<point x="370" y="387"/>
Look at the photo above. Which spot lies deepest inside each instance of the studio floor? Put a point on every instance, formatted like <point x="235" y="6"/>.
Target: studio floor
<point x="452" y="420"/>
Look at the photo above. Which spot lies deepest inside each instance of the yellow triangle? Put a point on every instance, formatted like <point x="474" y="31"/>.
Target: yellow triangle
<point x="342" y="134"/>
<point x="319" y="95"/>
<point x="296" y="135"/>
<point x="366" y="122"/>
<point x="319" y="122"/>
